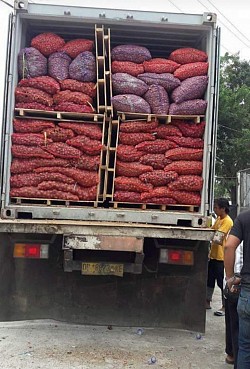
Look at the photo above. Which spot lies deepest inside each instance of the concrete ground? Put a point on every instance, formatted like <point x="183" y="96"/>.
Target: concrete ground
<point x="50" y="344"/>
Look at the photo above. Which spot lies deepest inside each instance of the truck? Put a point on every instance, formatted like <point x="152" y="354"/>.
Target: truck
<point x="104" y="262"/>
<point x="243" y="190"/>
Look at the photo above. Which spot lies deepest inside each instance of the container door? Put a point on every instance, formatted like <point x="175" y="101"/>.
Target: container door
<point x="214" y="118"/>
<point x="8" y="78"/>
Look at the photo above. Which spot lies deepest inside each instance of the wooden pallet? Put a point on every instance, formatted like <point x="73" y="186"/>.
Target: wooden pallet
<point x="102" y="42"/>
<point x="100" y="67"/>
<point x="58" y="115"/>
<point x="53" y="202"/>
<point x="161" y="118"/>
<point x="141" y="206"/>
<point x="108" y="73"/>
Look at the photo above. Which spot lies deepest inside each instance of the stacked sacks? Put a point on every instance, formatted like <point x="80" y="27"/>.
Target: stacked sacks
<point x="128" y="88"/>
<point x="188" y="97"/>
<point x="55" y="162"/>
<point x="166" y="158"/>
<point x="72" y="62"/>
<point x="175" y="86"/>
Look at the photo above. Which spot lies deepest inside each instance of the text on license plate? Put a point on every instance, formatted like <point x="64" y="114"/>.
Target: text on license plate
<point x="102" y="269"/>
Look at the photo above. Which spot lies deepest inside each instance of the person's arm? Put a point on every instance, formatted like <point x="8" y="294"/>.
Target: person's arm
<point x="229" y="258"/>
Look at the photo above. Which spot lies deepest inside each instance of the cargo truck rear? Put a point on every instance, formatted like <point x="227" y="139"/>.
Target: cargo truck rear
<point x="134" y="263"/>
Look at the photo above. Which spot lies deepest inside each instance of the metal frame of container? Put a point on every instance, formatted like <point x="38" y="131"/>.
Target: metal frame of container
<point x="145" y="28"/>
<point x="243" y="190"/>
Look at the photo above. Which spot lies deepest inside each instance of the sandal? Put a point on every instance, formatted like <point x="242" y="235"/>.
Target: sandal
<point x="219" y="313"/>
<point x="229" y="360"/>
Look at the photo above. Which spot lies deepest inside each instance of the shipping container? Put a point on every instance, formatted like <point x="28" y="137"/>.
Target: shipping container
<point x="159" y="250"/>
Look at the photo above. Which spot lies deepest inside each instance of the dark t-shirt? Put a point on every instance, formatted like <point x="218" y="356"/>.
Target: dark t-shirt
<point x="241" y="230"/>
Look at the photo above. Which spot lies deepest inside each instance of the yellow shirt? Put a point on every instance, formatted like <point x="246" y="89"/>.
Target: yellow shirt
<point x="223" y="225"/>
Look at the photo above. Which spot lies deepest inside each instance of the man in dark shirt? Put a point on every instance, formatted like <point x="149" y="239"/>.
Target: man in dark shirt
<point x="240" y="232"/>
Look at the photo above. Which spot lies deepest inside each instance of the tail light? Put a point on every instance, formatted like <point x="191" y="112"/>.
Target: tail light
<point x="176" y="256"/>
<point x="31" y="250"/>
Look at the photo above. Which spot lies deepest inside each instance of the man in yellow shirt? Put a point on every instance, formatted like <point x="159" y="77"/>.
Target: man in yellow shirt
<point x="222" y="224"/>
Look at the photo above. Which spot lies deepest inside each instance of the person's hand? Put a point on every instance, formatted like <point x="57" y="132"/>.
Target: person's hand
<point x="233" y="281"/>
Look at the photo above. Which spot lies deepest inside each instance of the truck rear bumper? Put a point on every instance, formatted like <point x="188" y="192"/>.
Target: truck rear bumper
<point x="92" y="228"/>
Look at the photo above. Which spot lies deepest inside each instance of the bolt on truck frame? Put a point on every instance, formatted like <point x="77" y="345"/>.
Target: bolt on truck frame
<point x="150" y="263"/>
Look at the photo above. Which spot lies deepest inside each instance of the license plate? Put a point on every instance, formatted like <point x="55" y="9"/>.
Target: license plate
<point x="102" y="269"/>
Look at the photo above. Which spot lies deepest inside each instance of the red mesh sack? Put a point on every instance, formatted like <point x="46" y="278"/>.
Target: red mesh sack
<point x="62" y="150"/>
<point x="187" y="198"/>
<point x="29" y="139"/>
<point x="191" y="70"/>
<point x="31" y="125"/>
<point x="77" y="46"/>
<point x="158" y="177"/>
<point x="127" y="196"/>
<point x="58" y="177"/>
<point x="166" y="130"/>
<point x="86" y="194"/>
<point x="184" y="153"/>
<point x="34" y="192"/>
<point x="185" y="167"/>
<point x="138" y="126"/>
<point x="33" y="105"/>
<point x="47" y="43"/>
<point x="187" y="183"/>
<point x="82" y="177"/>
<point x="21" y="151"/>
<point x="157" y="192"/>
<point x="128" y="153"/>
<point x="27" y="179"/>
<point x="85" y="144"/>
<point x="27" y="165"/>
<point x="135" y="138"/>
<point x="157" y="161"/>
<point x="44" y="83"/>
<point x="58" y="134"/>
<point x="72" y="96"/>
<point x="86" y="162"/>
<point x="72" y="107"/>
<point x="131" y="184"/>
<point x="160" y="65"/>
<point x="195" y="143"/>
<point x="131" y="169"/>
<point x="155" y="147"/>
<point x="90" y="130"/>
<point x="127" y="67"/>
<point x="29" y="94"/>
<point x="160" y="200"/>
<point x="190" y="129"/>
<point x="187" y="55"/>
<point x="88" y="88"/>
<point x="33" y="179"/>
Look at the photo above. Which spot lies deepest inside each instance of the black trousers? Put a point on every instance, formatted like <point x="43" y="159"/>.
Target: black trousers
<point x="232" y="329"/>
<point x="215" y="273"/>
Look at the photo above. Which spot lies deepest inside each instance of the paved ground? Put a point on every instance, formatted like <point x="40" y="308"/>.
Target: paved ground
<point x="50" y="344"/>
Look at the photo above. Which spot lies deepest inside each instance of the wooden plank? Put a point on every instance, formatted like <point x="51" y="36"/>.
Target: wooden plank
<point x="149" y="207"/>
<point x="58" y="116"/>
<point x="53" y="202"/>
<point x="161" y="118"/>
